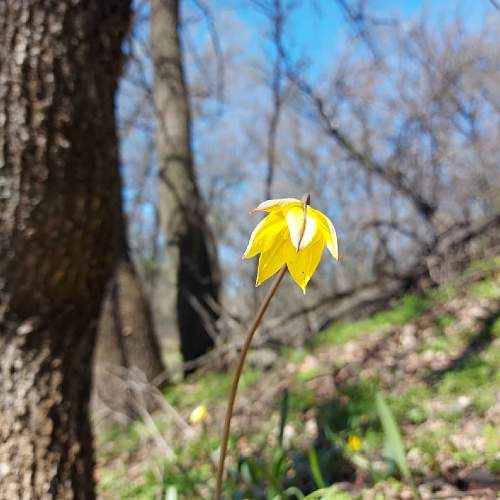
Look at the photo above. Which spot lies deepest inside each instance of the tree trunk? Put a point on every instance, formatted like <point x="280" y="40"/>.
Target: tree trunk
<point x="128" y="355"/>
<point x="59" y="186"/>
<point x="191" y="253"/>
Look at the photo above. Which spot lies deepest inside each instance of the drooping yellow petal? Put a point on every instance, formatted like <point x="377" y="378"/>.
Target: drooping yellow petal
<point x="292" y="233"/>
<point x="272" y="259"/>
<point x="277" y="204"/>
<point x="300" y="234"/>
<point x="326" y="227"/>
<point x="304" y="263"/>
<point x="263" y="235"/>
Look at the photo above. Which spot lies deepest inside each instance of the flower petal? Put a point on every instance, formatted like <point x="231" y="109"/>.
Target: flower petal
<point x="300" y="235"/>
<point x="326" y="227"/>
<point x="271" y="260"/>
<point x="263" y="235"/>
<point x="276" y="204"/>
<point x="304" y="263"/>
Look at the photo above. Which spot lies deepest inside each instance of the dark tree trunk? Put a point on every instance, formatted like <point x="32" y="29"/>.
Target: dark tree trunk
<point x="191" y="252"/>
<point x="128" y="355"/>
<point x="59" y="186"/>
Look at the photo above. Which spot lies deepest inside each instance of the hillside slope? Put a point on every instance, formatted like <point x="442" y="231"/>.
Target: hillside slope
<point x="434" y="356"/>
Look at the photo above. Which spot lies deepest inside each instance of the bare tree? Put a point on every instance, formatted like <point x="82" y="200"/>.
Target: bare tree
<point x="191" y="253"/>
<point x="398" y="148"/>
<point x="404" y="138"/>
<point x="127" y="343"/>
<point x="395" y="136"/>
<point x="59" y="192"/>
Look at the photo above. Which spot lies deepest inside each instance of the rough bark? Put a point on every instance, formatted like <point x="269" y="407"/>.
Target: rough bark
<point x="59" y="66"/>
<point x="191" y="254"/>
<point x="128" y="355"/>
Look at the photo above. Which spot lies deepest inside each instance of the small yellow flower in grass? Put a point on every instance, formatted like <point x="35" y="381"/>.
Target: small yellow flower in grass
<point x="198" y="414"/>
<point x="294" y="234"/>
<point x="354" y="442"/>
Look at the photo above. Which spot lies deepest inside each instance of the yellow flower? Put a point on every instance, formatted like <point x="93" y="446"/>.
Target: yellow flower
<point x="198" y="414"/>
<point x="354" y="442"/>
<point x="294" y="234"/>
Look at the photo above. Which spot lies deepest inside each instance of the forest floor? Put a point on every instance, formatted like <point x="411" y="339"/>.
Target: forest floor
<point x="309" y="420"/>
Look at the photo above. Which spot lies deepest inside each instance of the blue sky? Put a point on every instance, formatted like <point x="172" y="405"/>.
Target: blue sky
<point x="319" y="26"/>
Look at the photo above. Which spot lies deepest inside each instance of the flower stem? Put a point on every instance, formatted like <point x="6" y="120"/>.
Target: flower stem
<point x="232" y="396"/>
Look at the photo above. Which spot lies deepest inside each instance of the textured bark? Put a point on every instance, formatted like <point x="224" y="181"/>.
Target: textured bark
<point x="59" y="66"/>
<point x="128" y="355"/>
<point x="191" y="253"/>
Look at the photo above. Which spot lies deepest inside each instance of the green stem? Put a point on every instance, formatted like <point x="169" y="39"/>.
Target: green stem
<point x="232" y="396"/>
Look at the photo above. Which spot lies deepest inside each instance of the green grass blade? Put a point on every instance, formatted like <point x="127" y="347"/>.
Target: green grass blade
<point x="394" y="441"/>
<point x="393" y="437"/>
<point x="316" y="471"/>
<point x="283" y="417"/>
<point x="297" y="494"/>
<point x="332" y="493"/>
